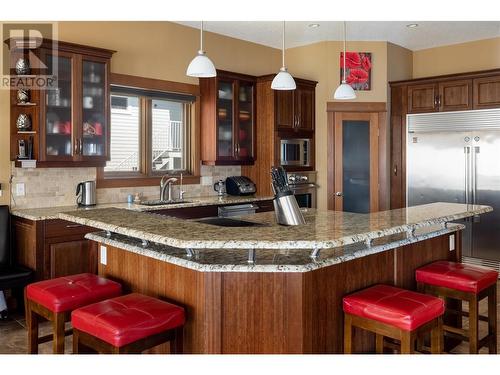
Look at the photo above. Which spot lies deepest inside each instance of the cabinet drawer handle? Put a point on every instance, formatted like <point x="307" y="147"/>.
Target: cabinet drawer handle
<point x="74" y="225"/>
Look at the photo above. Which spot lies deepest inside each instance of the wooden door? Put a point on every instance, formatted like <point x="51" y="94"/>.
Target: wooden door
<point x="304" y="108"/>
<point x="69" y="257"/>
<point x="423" y="98"/>
<point x="486" y="92"/>
<point x="285" y="111"/>
<point x="455" y="95"/>
<point x="356" y="162"/>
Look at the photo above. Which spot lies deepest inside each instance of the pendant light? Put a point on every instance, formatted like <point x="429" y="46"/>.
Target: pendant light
<point x="283" y="80"/>
<point x="201" y="66"/>
<point x="344" y="91"/>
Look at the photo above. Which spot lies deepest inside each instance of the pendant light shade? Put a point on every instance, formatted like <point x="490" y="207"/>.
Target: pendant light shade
<point x="344" y="91"/>
<point x="283" y="80"/>
<point x="201" y="66"/>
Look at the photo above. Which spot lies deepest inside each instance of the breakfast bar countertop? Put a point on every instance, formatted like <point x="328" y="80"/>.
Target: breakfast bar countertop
<point x="323" y="229"/>
<point x="49" y="213"/>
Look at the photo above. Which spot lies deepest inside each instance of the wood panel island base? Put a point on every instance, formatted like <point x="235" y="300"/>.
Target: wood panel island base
<point x="272" y="312"/>
<point x="276" y="297"/>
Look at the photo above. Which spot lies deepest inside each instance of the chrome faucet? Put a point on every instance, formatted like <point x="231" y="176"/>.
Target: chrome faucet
<point x="166" y="187"/>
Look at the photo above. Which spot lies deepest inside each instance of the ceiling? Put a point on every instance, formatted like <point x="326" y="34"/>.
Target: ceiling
<point x="428" y="33"/>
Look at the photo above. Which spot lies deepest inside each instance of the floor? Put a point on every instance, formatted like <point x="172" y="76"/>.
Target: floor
<point x="13" y="333"/>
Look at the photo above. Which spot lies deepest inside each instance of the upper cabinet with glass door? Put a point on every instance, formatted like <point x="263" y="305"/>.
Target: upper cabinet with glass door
<point x="95" y="109"/>
<point x="228" y="119"/>
<point x="57" y="110"/>
<point x="70" y="118"/>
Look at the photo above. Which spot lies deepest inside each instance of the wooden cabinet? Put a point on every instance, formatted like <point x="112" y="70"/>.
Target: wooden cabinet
<point x="69" y="118"/>
<point x="69" y="257"/>
<point x="487" y="92"/>
<point x="457" y="92"/>
<point x="285" y="115"/>
<point x="281" y="114"/>
<point x="228" y="119"/>
<point x="53" y="248"/>
<point x="422" y="98"/>
<point x="295" y="109"/>
<point x="455" y="95"/>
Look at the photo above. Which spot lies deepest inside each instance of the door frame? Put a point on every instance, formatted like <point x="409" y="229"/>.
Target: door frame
<point x="379" y="109"/>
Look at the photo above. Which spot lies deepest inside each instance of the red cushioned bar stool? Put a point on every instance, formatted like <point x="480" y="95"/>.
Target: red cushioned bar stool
<point x="464" y="283"/>
<point x="396" y="313"/>
<point x="55" y="299"/>
<point x="127" y="324"/>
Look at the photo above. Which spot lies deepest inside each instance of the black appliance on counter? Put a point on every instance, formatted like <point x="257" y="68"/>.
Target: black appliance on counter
<point x="240" y="185"/>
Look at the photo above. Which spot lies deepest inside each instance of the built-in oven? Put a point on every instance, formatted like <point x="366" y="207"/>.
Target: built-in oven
<point x="295" y="152"/>
<point x="303" y="186"/>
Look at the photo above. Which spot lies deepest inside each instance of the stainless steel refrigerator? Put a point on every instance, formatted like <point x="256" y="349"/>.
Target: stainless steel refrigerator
<point x="455" y="157"/>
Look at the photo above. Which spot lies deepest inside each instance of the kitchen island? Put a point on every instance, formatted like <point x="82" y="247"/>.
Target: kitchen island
<point x="267" y="288"/>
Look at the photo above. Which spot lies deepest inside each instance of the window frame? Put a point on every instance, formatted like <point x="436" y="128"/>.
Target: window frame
<point x="146" y="176"/>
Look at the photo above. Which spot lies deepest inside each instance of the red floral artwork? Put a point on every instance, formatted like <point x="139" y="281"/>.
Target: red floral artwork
<point x="358" y="72"/>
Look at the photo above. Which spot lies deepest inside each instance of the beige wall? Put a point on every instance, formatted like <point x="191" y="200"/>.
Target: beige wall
<point x="321" y="62"/>
<point x="163" y="50"/>
<point x="159" y="50"/>
<point x="457" y="58"/>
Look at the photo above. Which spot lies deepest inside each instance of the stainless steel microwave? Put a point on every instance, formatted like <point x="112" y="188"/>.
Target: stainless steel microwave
<point x="295" y="151"/>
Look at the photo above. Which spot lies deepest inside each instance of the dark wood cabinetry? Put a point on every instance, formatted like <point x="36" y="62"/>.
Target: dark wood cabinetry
<point x="455" y="95"/>
<point x="487" y="92"/>
<point x="228" y="119"/>
<point x="70" y="119"/>
<point x="281" y="115"/>
<point x="457" y="92"/>
<point x="295" y="109"/>
<point x="53" y="248"/>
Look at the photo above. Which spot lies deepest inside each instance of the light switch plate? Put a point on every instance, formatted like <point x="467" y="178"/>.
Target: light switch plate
<point x="452" y="242"/>
<point x="104" y="255"/>
<point x="20" y="189"/>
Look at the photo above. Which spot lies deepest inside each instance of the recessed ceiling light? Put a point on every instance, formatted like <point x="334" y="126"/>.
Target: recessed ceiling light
<point x="412" y="25"/>
<point x="313" y="25"/>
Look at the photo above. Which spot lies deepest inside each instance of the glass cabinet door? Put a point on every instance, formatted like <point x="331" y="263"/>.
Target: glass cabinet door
<point x="225" y="110"/>
<point x="58" y="109"/>
<point x="245" y="122"/>
<point x="93" y="141"/>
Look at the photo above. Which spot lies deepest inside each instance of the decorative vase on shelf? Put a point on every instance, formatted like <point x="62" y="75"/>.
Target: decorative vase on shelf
<point x="23" y="96"/>
<point x="22" y="66"/>
<point x="23" y="122"/>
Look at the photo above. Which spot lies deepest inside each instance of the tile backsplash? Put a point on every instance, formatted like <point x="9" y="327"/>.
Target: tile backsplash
<point x="50" y="187"/>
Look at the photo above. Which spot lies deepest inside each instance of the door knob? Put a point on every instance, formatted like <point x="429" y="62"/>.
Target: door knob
<point x="339" y="194"/>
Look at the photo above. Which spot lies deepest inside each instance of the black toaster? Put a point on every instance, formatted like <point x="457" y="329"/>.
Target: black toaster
<point x="240" y="185"/>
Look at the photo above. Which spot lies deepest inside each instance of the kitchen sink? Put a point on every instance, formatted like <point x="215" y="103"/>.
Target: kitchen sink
<point x="157" y="202"/>
<point x="227" y="222"/>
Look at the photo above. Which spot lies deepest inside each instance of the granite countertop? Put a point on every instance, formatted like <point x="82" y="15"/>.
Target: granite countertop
<point x="284" y="260"/>
<point x="49" y="213"/>
<point x="323" y="229"/>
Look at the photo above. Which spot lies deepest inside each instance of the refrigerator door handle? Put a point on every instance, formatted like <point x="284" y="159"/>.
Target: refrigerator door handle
<point x="474" y="175"/>
<point x="467" y="173"/>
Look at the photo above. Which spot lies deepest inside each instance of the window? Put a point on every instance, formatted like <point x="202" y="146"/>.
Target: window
<point x="150" y="133"/>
